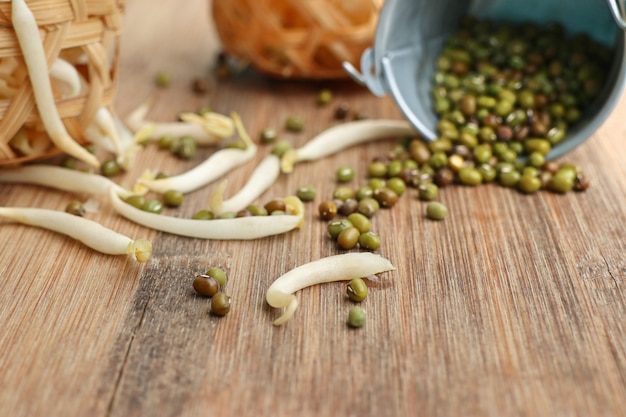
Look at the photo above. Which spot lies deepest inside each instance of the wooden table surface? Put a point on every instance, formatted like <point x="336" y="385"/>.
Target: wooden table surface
<point x="513" y="306"/>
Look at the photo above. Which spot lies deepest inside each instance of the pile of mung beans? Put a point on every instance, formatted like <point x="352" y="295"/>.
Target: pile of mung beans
<point x="351" y="208"/>
<point x="507" y="93"/>
<point x="211" y="284"/>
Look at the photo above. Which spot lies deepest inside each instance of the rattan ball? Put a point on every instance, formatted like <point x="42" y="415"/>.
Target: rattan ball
<point x="296" y="38"/>
<point x="83" y="33"/>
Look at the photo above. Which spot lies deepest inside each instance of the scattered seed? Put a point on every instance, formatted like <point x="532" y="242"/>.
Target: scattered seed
<point x="206" y="285"/>
<point x="436" y="211"/>
<point x="356" y="317"/>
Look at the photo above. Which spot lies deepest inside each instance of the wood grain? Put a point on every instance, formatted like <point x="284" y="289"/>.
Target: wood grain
<point x="513" y="306"/>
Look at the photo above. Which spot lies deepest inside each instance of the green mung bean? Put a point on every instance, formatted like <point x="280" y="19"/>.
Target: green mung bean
<point x="369" y="241"/>
<point x="294" y="124"/>
<point x="428" y="191"/>
<point x="360" y="221"/>
<point x="337" y="226"/>
<point x="436" y="211"/>
<point x="218" y="274"/>
<point x="173" y="198"/>
<point x="348" y="238"/>
<point x="356" y="317"/>
<point x="357" y="290"/>
<point x="368" y="207"/>
<point x="203" y="215"/>
<point x="344" y="174"/>
<point x="306" y="193"/>
<point x="470" y="176"/>
<point x="110" y="168"/>
<point x="75" y="207"/>
<point x="343" y="193"/>
<point x="268" y="135"/>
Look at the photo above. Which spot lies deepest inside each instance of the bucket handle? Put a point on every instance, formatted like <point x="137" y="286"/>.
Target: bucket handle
<point x="618" y="14"/>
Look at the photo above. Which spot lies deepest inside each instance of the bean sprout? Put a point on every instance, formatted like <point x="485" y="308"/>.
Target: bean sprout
<point x="87" y="231"/>
<point x="29" y="146"/>
<point x="239" y="228"/>
<point x="342" y="267"/>
<point x="207" y="129"/>
<point x="104" y="127"/>
<point x="342" y="136"/>
<point x="63" y="71"/>
<point x="61" y="179"/>
<point x="260" y="180"/>
<point x="33" y="52"/>
<point x="217" y="165"/>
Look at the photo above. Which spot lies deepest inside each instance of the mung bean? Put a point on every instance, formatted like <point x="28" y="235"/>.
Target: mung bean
<point x="436" y="211"/>
<point x="356" y="317"/>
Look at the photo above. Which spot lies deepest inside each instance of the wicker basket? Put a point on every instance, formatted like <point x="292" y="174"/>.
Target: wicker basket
<point x="84" y="33"/>
<point x="297" y="38"/>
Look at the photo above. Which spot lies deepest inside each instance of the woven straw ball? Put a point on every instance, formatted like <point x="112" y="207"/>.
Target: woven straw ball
<point x="297" y="38"/>
<point x="84" y="33"/>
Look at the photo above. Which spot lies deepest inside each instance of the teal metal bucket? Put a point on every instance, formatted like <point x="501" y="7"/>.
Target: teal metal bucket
<point x="411" y="34"/>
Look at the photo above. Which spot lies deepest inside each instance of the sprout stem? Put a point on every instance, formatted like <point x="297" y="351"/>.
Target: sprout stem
<point x="61" y="179"/>
<point x="240" y="228"/>
<point x="65" y="72"/>
<point x="207" y="129"/>
<point x="332" y="268"/>
<point x="260" y="180"/>
<point x="88" y="232"/>
<point x="106" y="123"/>
<point x="340" y="137"/>
<point x="214" y="167"/>
<point x="29" y="40"/>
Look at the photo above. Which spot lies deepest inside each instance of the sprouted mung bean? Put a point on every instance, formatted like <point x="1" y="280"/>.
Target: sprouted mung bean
<point x="235" y="228"/>
<point x="333" y="268"/>
<point x="214" y="167"/>
<point x="88" y="232"/>
<point x="261" y="179"/>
